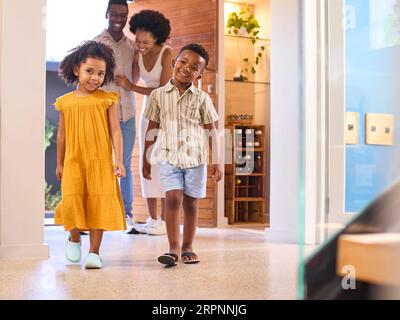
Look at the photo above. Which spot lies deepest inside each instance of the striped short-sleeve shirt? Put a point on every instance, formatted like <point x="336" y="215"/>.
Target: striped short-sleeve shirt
<point x="181" y="139"/>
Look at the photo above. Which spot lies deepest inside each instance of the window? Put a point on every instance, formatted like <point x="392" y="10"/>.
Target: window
<point x="68" y="23"/>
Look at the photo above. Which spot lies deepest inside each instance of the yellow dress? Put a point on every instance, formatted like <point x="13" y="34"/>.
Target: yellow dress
<point x="91" y="198"/>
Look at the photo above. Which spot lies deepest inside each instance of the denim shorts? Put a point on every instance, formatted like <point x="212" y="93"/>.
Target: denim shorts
<point x="193" y="181"/>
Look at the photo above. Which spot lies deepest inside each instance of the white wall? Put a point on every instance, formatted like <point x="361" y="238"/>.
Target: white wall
<point x="285" y="119"/>
<point x="262" y="92"/>
<point x="22" y="102"/>
<point x="222" y="221"/>
<point x="263" y="15"/>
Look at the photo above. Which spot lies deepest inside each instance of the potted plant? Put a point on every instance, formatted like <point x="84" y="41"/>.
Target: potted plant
<point x="244" y="23"/>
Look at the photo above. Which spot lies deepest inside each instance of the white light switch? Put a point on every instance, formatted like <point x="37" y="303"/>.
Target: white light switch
<point x="351" y="129"/>
<point x="379" y="129"/>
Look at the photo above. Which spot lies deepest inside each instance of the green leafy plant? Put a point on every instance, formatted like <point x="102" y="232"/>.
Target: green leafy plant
<point x="50" y="200"/>
<point x="245" y="19"/>
<point x="48" y="134"/>
<point x="392" y="26"/>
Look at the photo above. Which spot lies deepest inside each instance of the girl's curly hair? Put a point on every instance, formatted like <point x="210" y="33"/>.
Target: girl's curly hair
<point x="151" y="21"/>
<point x="88" y="49"/>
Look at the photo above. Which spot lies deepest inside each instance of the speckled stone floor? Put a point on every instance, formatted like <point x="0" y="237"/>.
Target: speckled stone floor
<point x="235" y="264"/>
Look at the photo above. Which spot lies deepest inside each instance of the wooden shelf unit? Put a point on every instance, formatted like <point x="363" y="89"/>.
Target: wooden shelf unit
<point x="245" y="175"/>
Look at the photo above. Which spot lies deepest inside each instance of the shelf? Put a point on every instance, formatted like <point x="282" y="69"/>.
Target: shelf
<point x="247" y="211"/>
<point x="249" y="199"/>
<point x="248" y="225"/>
<point x="246" y="186"/>
<point x="250" y="174"/>
<point x="245" y="37"/>
<point x="250" y="149"/>
<point x="248" y="82"/>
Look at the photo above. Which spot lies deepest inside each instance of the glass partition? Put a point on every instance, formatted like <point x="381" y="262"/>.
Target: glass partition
<point x="357" y="153"/>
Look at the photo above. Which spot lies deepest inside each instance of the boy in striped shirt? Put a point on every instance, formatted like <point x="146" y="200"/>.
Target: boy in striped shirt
<point x="183" y="115"/>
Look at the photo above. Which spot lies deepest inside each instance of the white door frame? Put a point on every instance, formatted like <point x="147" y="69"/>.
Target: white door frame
<point x="314" y="123"/>
<point x="22" y="129"/>
<point x="324" y="118"/>
<point x="337" y="113"/>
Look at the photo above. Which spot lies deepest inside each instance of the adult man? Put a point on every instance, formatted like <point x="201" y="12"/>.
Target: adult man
<point x="124" y="50"/>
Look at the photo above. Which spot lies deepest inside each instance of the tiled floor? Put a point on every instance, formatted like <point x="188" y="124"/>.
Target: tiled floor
<point x="235" y="264"/>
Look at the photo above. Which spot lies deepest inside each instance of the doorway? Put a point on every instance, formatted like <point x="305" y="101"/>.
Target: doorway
<point x="194" y="21"/>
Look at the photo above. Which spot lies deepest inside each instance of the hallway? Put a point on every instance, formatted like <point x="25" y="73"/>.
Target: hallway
<point x="235" y="264"/>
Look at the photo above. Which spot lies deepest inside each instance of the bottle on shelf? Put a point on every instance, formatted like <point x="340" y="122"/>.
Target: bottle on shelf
<point x="258" y="132"/>
<point x="240" y="159"/>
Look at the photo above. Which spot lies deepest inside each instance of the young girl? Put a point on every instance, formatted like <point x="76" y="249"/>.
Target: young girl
<point x="88" y="129"/>
<point x="153" y="64"/>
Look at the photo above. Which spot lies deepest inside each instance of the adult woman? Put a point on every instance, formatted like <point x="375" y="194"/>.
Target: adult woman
<point x="153" y="64"/>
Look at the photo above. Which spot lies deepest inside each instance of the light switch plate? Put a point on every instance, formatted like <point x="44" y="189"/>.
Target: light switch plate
<point x="351" y="129"/>
<point x="379" y="129"/>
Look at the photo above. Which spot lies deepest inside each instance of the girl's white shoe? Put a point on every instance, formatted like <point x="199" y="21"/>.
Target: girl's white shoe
<point x="93" y="261"/>
<point x="73" y="251"/>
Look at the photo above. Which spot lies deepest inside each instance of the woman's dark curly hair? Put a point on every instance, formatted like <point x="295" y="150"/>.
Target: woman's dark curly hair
<point x="151" y="21"/>
<point x="88" y="49"/>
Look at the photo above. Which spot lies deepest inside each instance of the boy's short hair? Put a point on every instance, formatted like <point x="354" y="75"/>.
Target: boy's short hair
<point x="199" y="49"/>
<point x="88" y="49"/>
<point x="120" y="2"/>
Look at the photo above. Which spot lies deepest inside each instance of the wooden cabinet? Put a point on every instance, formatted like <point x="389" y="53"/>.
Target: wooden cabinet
<point x="245" y="175"/>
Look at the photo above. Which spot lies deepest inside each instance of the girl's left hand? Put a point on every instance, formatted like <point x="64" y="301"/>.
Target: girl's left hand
<point x="119" y="169"/>
<point x="123" y="82"/>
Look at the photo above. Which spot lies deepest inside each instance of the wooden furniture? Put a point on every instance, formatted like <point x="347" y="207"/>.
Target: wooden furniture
<point x="372" y="258"/>
<point x="245" y="175"/>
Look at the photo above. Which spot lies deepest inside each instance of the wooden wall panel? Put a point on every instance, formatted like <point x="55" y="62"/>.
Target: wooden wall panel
<point x="192" y="21"/>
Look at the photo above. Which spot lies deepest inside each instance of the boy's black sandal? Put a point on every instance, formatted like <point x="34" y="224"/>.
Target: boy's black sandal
<point x="169" y="259"/>
<point x="190" y="255"/>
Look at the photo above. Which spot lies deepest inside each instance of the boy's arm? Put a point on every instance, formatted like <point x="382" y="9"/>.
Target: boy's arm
<point x="147" y="144"/>
<point x="60" y="147"/>
<point x="209" y="117"/>
<point x="213" y="141"/>
<point x="116" y="137"/>
<point x="152" y="113"/>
